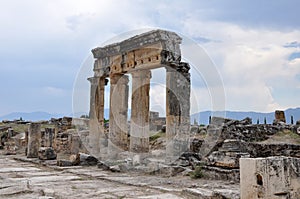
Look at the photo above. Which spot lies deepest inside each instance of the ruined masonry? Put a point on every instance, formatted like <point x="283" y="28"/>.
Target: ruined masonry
<point x="34" y="137"/>
<point x="136" y="57"/>
<point x="270" y="178"/>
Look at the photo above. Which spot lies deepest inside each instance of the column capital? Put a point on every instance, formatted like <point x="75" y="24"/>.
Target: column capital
<point x="94" y="80"/>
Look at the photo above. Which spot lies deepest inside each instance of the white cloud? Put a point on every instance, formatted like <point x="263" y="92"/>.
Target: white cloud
<point x="53" y="91"/>
<point x="250" y="61"/>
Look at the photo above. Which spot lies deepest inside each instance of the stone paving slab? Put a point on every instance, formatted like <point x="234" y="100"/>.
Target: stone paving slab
<point x="34" y="180"/>
<point x="27" y="180"/>
<point x="18" y="169"/>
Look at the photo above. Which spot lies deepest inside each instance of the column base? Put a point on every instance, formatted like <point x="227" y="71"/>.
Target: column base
<point x="139" y="145"/>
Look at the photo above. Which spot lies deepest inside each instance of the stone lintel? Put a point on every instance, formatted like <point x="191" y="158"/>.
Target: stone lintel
<point x="136" y="42"/>
<point x="146" y="51"/>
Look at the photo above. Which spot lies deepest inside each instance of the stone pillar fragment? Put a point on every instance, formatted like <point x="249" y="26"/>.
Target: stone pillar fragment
<point x="279" y="116"/>
<point x="34" y="137"/>
<point x="93" y="145"/>
<point x="177" y="111"/>
<point x="49" y="135"/>
<point x="118" y="124"/>
<point x="139" y="124"/>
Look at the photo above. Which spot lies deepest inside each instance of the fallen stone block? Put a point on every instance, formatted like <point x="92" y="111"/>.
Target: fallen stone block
<point x="64" y="163"/>
<point x="10" y="152"/>
<point x="202" y="193"/>
<point x="83" y="159"/>
<point x="115" y="168"/>
<point x="169" y="170"/>
<point x="102" y="165"/>
<point x="46" y="153"/>
<point x="75" y="159"/>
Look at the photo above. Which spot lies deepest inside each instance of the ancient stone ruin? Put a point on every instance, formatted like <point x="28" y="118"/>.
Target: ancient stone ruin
<point x="270" y="178"/>
<point x="136" y="57"/>
<point x="262" y="158"/>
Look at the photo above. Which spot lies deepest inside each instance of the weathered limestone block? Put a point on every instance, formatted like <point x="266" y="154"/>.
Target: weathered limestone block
<point x="34" y="138"/>
<point x="75" y="144"/>
<point x="226" y="159"/>
<point x="279" y="116"/>
<point x="10" y="148"/>
<point x="270" y="178"/>
<point x="46" y="153"/>
<point x="83" y="159"/>
<point x="64" y="163"/>
<point x="158" y="45"/>
<point x="47" y="137"/>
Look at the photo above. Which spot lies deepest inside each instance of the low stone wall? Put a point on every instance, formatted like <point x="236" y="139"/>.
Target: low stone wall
<point x="266" y="150"/>
<point x="216" y="173"/>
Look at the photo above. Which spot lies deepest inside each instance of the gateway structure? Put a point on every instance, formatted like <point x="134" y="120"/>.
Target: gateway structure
<point x="136" y="57"/>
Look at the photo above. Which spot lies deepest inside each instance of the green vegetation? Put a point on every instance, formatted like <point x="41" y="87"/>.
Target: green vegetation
<point x="156" y="136"/>
<point x="288" y="134"/>
<point x="19" y="128"/>
<point x="197" y="173"/>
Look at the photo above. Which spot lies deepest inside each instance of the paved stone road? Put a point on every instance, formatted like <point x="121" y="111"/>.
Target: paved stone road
<point x="27" y="180"/>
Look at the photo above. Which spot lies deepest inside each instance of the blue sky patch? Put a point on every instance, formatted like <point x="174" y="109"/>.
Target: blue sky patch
<point x="294" y="55"/>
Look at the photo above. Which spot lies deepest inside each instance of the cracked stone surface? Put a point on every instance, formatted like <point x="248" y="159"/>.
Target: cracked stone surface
<point x="19" y="179"/>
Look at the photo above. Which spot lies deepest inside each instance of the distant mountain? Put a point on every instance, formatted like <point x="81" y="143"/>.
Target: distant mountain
<point x="203" y="117"/>
<point x="33" y="116"/>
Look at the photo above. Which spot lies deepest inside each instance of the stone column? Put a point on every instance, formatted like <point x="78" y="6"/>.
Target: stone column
<point x="103" y="137"/>
<point x="177" y="111"/>
<point x="34" y="137"/>
<point x="96" y="123"/>
<point x="93" y="146"/>
<point x="139" y="124"/>
<point x="93" y="92"/>
<point x="118" y="123"/>
<point x="26" y="140"/>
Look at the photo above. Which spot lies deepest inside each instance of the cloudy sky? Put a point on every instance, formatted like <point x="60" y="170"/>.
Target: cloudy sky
<point x="253" y="45"/>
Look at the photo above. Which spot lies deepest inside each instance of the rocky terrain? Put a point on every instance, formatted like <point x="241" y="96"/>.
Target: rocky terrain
<point x="209" y="170"/>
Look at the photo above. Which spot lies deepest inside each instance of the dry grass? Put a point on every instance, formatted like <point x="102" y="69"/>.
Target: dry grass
<point x="285" y="136"/>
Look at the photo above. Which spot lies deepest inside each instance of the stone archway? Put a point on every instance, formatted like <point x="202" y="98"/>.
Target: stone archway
<point x="136" y="56"/>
